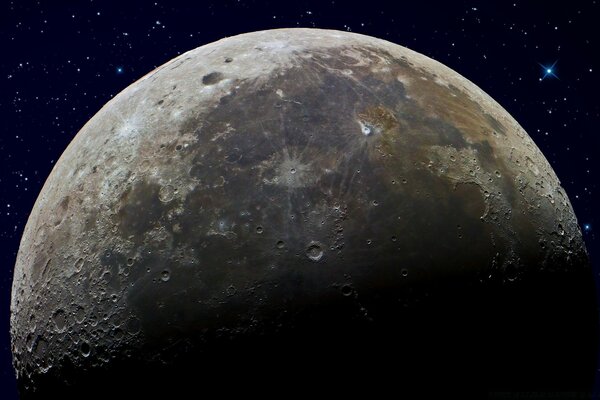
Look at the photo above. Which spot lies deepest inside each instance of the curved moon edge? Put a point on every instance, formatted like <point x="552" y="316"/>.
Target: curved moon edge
<point x="273" y="180"/>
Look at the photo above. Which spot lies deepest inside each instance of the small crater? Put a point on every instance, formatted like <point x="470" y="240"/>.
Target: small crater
<point x="498" y="174"/>
<point x="404" y="272"/>
<point x="40" y="347"/>
<point x="61" y="211"/>
<point x="228" y="59"/>
<point x="85" y="349"/>
<point x="314" y="251"/>
<point x="130" y="261"/>
<point x="133" y="326"/>
<point x="212" y="78"/>
<point x="280" y="244"/>
<point x="179" y="147"/>
<point x="231" y="290"/>
<point x="347" y="290"/>
<point x="165" y="275"/>
<point x="29" y="342"/>
<point x="106" y="276"/>
<point x="511" y="272"/>
<point x="60" y="320"/>
<point x="118" y="334"/>
<point x="79" y="264"/>
<point x="234" y="156"/>
<point x="166" y="193"/>
<point x="79" y="314"/>
<point x="259" y="229"/>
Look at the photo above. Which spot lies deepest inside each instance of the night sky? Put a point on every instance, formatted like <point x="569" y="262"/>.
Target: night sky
<point x="60" y="62"/>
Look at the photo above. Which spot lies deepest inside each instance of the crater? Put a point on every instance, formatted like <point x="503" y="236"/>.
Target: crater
<point x="314" y="251"/>
<point x="347" y="290"/>
<point x="60" y="320"/>
<point x="212" y="78"/>
<point x="85" y="349"/>
<point x="166" y="193"/>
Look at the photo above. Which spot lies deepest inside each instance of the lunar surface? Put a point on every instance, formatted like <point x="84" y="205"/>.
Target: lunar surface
<point x="282" y="206"/>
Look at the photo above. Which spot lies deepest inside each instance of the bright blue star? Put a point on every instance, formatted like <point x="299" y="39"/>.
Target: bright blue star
<point x="549" y="71"/>
<point x="120" y="70"/>
<point x="587" y="227"/>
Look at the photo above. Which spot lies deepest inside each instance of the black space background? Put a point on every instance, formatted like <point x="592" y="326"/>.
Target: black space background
<point x="61" y="61"/>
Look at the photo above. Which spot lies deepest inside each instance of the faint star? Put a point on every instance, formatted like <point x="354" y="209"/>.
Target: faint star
<point x="549" y="71"/>
<point x="120" y="70"/>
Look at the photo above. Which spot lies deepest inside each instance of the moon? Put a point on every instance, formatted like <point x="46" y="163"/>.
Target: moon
<point x="292" y="202"/>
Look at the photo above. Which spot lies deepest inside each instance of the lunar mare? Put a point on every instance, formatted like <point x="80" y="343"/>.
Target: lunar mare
<point x="269" y="180"/>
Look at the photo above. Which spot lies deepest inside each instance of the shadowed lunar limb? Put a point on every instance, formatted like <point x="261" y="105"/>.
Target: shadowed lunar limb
<point x="301" y="204"/>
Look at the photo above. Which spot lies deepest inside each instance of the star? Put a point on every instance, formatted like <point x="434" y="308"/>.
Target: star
<point x="549" y="71"/>
<point x="587" y="227"/>
<point x="120" y="70"/>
